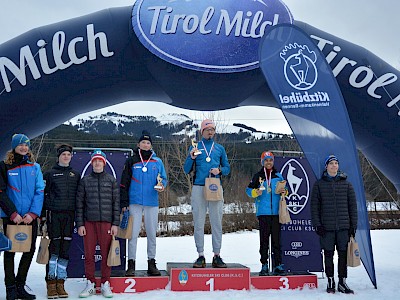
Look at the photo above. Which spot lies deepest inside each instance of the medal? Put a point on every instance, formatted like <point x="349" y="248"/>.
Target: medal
<point x="208" y="159"/>
<point x="144" y="168"/>
<point x="269" y="190"/>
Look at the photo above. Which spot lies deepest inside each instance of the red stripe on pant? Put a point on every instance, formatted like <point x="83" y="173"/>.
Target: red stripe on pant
<point x="97" y="233"/>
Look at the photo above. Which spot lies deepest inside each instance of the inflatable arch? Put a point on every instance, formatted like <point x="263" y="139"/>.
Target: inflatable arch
<point x="200" y="55"/>
<point x="53" y="73"/>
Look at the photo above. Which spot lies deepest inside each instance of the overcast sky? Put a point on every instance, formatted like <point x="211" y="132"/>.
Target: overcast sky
<point x="371" y="24"/>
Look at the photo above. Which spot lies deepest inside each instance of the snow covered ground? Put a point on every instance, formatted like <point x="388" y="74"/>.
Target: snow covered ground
<point x="242" y="248"/>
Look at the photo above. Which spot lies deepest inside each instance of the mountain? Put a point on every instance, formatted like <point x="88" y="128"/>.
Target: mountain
<point x="163" y="127"/>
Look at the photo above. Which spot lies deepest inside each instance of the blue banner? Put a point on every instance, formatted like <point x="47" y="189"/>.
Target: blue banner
<point x="307" y="92"/>
<point x="300" y="245"/>
<point x="81" y="162"/>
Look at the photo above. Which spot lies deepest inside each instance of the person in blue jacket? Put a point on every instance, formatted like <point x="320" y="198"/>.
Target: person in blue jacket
<point x="21" y="201"/>
<point x="262" y="188"/>
<point x="140" y="195"/>
<point x="212" y="161"/>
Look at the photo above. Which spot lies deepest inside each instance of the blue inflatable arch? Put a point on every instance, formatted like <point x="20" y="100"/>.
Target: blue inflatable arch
<point x="199" y="55"/>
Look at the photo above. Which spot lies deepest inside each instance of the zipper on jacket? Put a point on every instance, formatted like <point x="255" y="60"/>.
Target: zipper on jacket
<point x="98" y="191"/>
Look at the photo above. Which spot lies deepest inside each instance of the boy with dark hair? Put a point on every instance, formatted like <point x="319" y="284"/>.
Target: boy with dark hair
<point x="139" y="194"/>
<point x="334" y="215"/>
<point x="59" y="214"/>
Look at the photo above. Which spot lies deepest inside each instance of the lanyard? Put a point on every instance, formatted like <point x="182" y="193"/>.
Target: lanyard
<point x="268" y="179"/>
<point x="144" y="169"/>
<point x="208" y="159"/>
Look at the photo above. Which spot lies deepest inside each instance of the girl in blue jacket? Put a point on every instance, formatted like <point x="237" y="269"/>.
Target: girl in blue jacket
<point x="263" y="189"/>
<point x="21" y="201"/>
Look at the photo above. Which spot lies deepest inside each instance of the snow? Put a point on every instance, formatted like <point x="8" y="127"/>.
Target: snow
<point x="242" y="247"/>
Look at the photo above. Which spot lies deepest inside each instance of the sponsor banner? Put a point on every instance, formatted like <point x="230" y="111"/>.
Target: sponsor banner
<point x="81" y="162"/>
<point x="214" y="35"/>
<point x="301" y="249"/>
<point x="306" y="90"/>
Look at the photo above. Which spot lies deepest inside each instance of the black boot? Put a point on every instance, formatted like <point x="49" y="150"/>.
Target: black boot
<point x="343" y="287"/>
<point x="152" y="269"/>
<point x="11" y="293"/>
<point x="330" y="288"/>
<point x="131" y="268"/>
<point x="22" y="293"/>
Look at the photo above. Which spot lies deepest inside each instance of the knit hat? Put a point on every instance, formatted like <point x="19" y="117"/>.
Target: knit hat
<point x="19" y="138"/>
<point x="62" y="148"/>
<point x="207" y="123"/>
<point x="330" y="158"/>
<point x="265" y="155"/>
<point x="98" y="154"/>
<point x="145" y="136"/>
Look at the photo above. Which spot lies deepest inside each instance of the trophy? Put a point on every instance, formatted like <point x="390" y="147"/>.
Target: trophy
<point x="262" y="187"/>
<point x="195" y="147"/>
<point x="159" y="185"/>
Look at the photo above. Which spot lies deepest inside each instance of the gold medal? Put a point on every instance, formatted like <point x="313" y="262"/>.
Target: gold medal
<point x="269" y="190"/>
<point x="208" y="159"/>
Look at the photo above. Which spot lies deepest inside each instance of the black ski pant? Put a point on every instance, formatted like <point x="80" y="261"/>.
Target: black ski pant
<point x="329" y="241"/>
<point x="60" y="227"/>
<point x="269" y="226"/>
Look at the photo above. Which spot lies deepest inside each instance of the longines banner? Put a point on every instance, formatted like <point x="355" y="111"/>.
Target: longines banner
<point x="301" y="249"/>
<point x="81" y="162"/>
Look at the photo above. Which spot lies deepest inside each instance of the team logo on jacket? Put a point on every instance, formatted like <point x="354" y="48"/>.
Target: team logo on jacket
<point x="299" y="185"/>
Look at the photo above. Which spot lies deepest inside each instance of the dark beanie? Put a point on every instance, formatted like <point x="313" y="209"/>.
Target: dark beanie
<point x="62" y="148"/>
<point x="145" y="136"/>
<point x="330" y="158"/>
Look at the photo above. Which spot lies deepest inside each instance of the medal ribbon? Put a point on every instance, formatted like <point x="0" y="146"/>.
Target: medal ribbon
<point x="266" y="177"/>
<point x="141" y="158"/>
<point x="205" y="149"/>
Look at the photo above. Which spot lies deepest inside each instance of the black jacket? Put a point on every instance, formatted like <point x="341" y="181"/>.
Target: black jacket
<point x="333" y="203"/>
<point x="97" y="199"/>
<point x="61" y="187"/>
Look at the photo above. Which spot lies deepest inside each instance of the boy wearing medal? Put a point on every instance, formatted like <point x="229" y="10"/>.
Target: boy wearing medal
<point x="211" y="161"/>
<point x="142" y="179"/>
<point x="263" y="189"/>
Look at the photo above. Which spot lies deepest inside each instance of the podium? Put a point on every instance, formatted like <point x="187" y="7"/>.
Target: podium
<point x="288" y="281"/>
<point x="139" y="283"/>
<point x="184" y="277"/>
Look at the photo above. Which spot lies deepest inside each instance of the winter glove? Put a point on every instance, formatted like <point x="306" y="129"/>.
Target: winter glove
<point x="352" y="232"/>
<point x="321" y="230"/>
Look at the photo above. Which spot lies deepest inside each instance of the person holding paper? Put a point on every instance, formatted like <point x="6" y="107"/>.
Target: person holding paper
<point x="266" y="190"/>
<point x="21" y="201"/>
<point x="212" y="161"/>
<point x="334" y="216"/>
